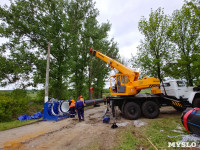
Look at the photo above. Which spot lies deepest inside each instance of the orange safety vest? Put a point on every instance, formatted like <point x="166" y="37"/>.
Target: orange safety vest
<point x="82" y="100"/>
<point x="72" y="103"/>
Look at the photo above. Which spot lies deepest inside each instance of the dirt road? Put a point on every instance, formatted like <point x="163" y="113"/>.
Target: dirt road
<point x="65" y="134"/>
<point x="68" y="133"/>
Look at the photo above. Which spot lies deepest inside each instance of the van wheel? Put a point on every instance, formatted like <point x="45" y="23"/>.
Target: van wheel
<point x="132" y="111"/>
<point x="150" y="109"/>
<point x="196" y="102"/>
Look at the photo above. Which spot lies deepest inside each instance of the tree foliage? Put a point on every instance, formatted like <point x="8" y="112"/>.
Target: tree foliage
<point x="70" y="26"/>
<point x="13" y="105"/>
<point x="185" y="36"/>
<point x="154" y="49"/>
<point x="171" y="44"/>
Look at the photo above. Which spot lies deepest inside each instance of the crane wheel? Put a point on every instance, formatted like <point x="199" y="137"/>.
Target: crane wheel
<point x="150" y="109"/>
<point x="132" y="111"/>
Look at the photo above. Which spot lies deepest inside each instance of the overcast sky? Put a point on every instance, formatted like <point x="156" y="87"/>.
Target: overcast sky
<point x="124" y="16"/>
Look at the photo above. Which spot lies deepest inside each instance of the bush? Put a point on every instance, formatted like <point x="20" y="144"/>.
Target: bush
<point x="19" y="102"/>
<point x="19" y="93"/>
<point x="14" y="105"/>
<point x="5" y="108"/>
<point x="40" y="97"/>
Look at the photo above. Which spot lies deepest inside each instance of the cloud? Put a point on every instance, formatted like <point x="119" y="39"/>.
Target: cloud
<point x="124" y="17"/>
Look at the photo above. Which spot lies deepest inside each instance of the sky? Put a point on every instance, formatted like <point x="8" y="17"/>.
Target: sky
<point x="124" y="16"/>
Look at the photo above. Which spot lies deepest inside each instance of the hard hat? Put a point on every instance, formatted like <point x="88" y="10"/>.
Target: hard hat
<point x="81" y="96"/>
<point x="70" y="98"/>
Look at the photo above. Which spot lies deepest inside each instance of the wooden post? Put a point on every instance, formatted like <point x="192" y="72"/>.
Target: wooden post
<point x="47" y="75"/>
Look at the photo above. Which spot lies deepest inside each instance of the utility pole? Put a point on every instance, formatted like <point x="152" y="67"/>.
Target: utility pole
<point x="47" y="75"/>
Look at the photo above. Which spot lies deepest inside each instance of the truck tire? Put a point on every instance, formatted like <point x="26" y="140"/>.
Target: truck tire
<point x="150" y="109"/>
<point x="132" y="111"/>
<point x="196" y="102"/>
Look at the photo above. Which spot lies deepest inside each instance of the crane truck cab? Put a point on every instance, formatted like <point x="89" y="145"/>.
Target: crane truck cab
<point x="177" y="89"/>
<point x="118" y="83"/>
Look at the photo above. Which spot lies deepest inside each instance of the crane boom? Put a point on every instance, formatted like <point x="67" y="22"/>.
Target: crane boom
<point x="126" y="82"/>
<point x="133" y="76"/>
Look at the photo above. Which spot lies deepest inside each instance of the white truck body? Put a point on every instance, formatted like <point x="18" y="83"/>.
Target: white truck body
<point x="178" y="89"/>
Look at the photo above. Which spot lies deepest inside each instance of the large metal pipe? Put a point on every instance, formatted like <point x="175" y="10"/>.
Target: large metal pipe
<point x="93" y="101"/>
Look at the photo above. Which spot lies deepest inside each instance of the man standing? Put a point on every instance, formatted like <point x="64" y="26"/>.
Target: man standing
<point x="80" y="109"/>
<point x="82" y="99"/>
<point x="72" y="107"/>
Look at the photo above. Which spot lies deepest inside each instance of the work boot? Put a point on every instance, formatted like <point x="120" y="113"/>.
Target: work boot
<point x="83" y="119"/>
<point x="79" y="120"/>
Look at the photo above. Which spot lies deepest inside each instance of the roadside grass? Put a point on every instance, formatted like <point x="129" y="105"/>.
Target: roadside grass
<point x="162" y="131"/>
<point x="15" y="123"/>
<point x="127" y="139"/>
<point x="33" y="107"/>
<point x="157" y="133"/>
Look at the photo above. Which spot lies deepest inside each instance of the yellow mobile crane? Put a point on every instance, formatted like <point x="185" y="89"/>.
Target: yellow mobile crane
<point x="127" y="86"/>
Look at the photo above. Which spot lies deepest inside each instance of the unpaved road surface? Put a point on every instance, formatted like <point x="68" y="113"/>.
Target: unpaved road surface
<point x="68" y="133"/>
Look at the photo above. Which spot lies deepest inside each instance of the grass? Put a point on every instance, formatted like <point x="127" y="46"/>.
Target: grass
<point x="34" y="106"/>
<point x="157" y="133"/>
<point x="160" y="131"/>
<point x="127" y="140"/>
<point x="15" y="123"/>
<point x="32" y="94"/>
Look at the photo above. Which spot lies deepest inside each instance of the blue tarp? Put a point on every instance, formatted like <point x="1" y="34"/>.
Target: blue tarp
<point x="24" y="117"/>
<point x="27" y="117"/>
<point x="37" y="115"/>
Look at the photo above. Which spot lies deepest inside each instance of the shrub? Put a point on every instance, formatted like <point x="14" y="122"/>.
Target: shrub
<point x="40" y="97"/>
<point x="19" y="93"/>
<point x="5" y="108"/>
<point x="14" y="105"/>
<point x="19" y="102"/>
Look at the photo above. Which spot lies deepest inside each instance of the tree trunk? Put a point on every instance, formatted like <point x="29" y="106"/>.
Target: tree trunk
<point x="189" y="77"/>
<point x="158" y="71"/>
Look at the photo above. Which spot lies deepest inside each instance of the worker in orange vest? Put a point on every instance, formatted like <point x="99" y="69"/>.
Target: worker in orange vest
<point x="72" y="106"/>
<point x="82" y="99"/>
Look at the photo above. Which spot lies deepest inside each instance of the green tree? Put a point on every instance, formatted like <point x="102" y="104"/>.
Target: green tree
<point x="185" y="35"/>
<point x="70" y="26"/>
<point x="153" y="52"/>
<point x="30" y="25"/>
<point x="99" y="71"/>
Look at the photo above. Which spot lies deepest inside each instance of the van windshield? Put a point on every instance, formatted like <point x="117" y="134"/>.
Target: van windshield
<point x="180" y="83"/>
